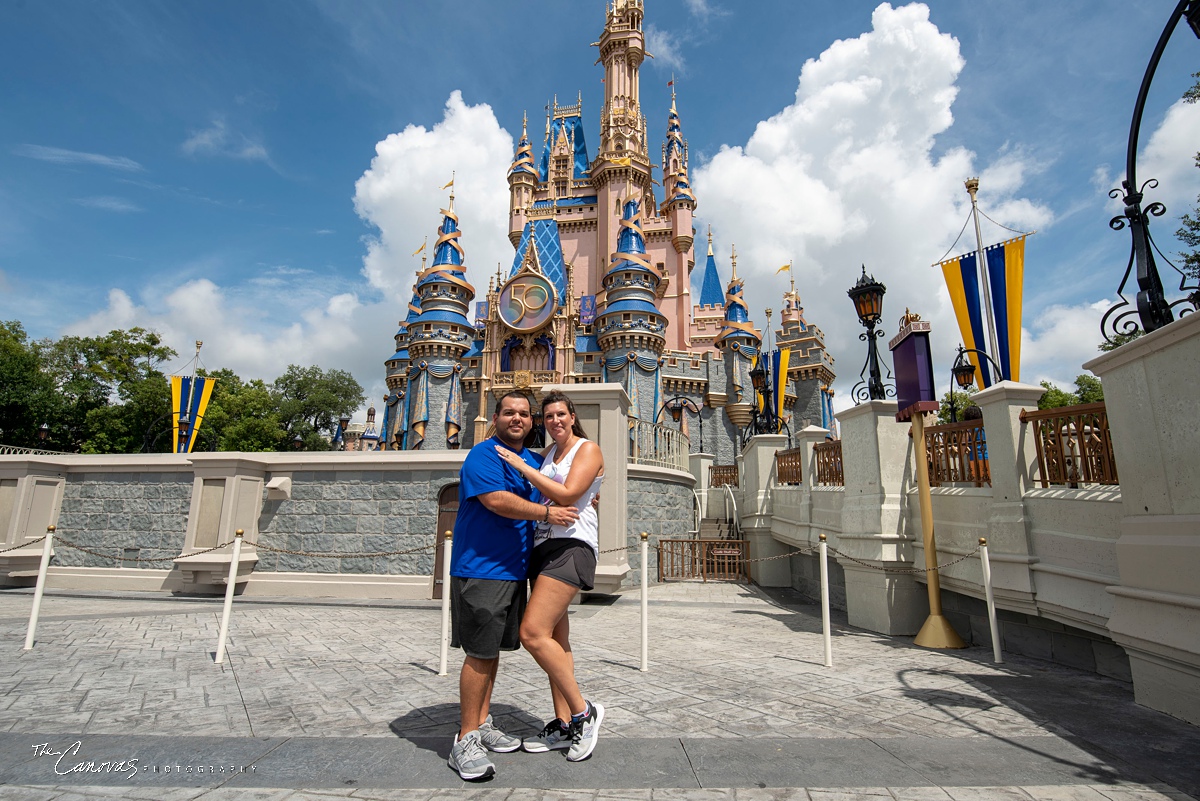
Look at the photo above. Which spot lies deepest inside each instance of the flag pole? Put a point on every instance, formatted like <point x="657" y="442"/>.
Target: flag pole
<point x="985" y="284"/>
<point x="187" y="445"/>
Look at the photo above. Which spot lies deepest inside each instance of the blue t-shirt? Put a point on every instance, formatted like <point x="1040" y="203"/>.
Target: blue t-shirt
<point x="486" y="545"/>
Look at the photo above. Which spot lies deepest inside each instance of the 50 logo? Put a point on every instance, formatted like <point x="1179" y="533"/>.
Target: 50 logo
<point x="526" y="302"/>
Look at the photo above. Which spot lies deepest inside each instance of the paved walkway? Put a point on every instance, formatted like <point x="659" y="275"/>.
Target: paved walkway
<point x="341" y="699"/>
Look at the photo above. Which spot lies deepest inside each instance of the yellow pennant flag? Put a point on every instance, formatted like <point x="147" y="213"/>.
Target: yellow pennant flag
<point x="423" y="244"/>
<point x="787" y="267"/>
<point x="447" y="186"/>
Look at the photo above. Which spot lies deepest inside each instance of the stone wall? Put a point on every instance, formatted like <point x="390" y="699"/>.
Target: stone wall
<point x="123" y="515"/>
<point x="354" y="511"/>
<point x="659" y="502"/>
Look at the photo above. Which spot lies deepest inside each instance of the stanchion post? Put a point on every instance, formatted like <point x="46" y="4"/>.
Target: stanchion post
<point x="447" y="547"/>
<point x="824" y="548"/>
<point x="47" y="544"/>
<point x="230" y="585"/>
<point x="645" y="602"/>
<point x="991" y="600"/>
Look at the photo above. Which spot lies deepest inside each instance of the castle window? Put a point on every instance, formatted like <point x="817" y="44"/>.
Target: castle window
<point x="661" y="267"/>
<point x="626" y="317"/>
<point x="588" y="358"/>
<point x="473" y="362"/>
<point x="428" y="327"/>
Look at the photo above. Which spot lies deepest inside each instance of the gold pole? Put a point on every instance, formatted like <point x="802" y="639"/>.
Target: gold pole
<point x="937" y="631"/>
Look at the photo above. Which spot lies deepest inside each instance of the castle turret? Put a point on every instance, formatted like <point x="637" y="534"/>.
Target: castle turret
<point x="678" y="206"/>
<point x="740" y="343"/>
<point x="522" y="183"/>
<point x="438" y="337"/>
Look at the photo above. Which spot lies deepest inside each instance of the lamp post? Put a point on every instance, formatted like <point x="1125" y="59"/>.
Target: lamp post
<point x="185" y="426"/>
<point x="298" y="442"/>
<point x="867" y="296"/>
<point x="343" y="422"/>
<point x="675" y="406"/>
<point x="1153" y="309"/>
<point x="964" y="374"/>
<point x="43" y="432"/>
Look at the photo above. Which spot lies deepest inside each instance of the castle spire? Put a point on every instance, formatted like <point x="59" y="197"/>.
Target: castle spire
<point x="737" y="326"/>
<point x="710" y="290"/>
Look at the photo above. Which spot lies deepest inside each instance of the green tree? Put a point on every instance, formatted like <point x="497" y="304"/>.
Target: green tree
<point x="1119" y="339"/>
<point x="1087" y="390"/>
<point x="310" y="400"/>
<point x="27" y="398"/>
<point x="241" y="416"/>
<point x="113" y="395"/>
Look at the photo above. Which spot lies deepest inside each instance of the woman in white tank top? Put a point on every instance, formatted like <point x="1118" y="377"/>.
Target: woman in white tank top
<point x="563" y="562"/>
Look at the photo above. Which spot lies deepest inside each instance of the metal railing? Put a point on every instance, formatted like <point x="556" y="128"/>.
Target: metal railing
<point x="958" y="454"/>
<point x="788" y="466"/>
<point x="829" y="463"/>
<point x="1074" y="445"/>
<point x="14" y="450"/>
<point x="722" y="475"/>
<point x="657" y="446"/>
<point x="718" y="560"/>
<point x="735" y="522"/>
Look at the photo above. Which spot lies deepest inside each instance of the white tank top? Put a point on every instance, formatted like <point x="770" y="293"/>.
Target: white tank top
<point x="586" y="528"/>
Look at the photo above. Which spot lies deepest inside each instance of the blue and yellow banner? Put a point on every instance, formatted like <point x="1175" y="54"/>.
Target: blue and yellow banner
<point x="189" y="398"/>
<point x="962" y="279"/>
<point x="779" y="367"/>
<point x="1006" y="277"/>
<point x="1006" y="272"/>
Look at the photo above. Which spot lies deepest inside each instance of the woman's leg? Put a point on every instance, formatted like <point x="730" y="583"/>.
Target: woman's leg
<point x="547" y="608"/>
<point x="562" y="631"/>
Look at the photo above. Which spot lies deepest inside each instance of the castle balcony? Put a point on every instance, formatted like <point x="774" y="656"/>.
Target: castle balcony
<point x="529" y="380"/>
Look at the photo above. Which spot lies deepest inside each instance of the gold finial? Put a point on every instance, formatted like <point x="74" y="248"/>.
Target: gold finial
<point x="524" y="124"/>
<point x="909" y="318"/>
<point x="733" y="260"/>
<point x="710" y="239"/>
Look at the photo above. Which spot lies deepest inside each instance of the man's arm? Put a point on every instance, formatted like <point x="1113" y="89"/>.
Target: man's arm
<point x="514" y="507"/>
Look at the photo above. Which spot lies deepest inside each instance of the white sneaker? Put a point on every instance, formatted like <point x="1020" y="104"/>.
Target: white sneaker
<point x="585" y="732"/>
<point x="556" y="735"/>
<point x="469" y="758"/>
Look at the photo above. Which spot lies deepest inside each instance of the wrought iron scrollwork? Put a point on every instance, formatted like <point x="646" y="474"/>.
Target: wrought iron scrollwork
<point x="1151" y="307"/>
<point x="871" y="387"/>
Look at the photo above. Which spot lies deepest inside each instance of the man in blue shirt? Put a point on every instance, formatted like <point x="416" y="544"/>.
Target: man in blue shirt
<point x="493" y="534"/>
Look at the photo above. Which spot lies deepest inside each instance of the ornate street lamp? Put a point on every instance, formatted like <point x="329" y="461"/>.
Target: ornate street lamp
<point x="1153" y="309"/>
<point x="298" y="442"/>
<point x="964" y="374"/>
<point x="343" y="422"/>
<point x="43" y="432"/>
<point x="675" y="406"/>
<point x="185" y="426"/>
<point x="867" y="296"/>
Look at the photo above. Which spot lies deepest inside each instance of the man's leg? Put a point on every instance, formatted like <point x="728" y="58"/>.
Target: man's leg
<point x="475" y="683"/>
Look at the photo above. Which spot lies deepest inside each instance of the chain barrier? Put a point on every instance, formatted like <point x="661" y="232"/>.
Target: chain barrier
<point x="348" y="555"/>
<point x="23" y="545"/>
<point x="352" y="555"/>
<point x="906" y="570"/>
<point x="69" y="544"/>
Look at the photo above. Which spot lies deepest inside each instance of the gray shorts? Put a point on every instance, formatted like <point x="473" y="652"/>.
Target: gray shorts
<point x="485" y="615"/>
<point x="567" y="559"/>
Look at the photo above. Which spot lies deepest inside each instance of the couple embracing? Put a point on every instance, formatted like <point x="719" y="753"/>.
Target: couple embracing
<point x="523" y="517"/>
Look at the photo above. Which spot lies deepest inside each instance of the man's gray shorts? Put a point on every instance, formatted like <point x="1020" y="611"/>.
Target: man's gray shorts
<point x="485" y="615"/>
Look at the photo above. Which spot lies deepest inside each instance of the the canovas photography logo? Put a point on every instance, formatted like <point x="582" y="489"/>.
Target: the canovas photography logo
<point x="73" y="760"/>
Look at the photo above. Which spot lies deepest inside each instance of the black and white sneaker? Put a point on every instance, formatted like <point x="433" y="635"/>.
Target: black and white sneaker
<point x="585" y="732"/>
<point x="556" y="735"/>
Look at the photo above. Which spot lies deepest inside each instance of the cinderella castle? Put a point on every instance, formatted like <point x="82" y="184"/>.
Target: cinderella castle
<point x="599" y="290"/>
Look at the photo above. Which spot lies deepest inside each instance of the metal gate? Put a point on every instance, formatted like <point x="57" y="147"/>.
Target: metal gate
<point x="715" y="560"/>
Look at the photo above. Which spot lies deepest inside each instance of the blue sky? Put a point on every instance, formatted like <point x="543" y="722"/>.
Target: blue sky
<point x="256" y="175"/>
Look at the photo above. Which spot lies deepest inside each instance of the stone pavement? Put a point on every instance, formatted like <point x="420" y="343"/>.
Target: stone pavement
<point x="341" y="699"/>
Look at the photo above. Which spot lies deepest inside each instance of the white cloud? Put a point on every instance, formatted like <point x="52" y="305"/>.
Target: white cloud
<point x="665" y="48"/>
<point x="109" y="203"/>
<point x="846" y="176"/>
<point x="1059" y="340"/>
<point x="1170" y="158"/>
<point x="57" y="155"/>
<point x="218" y="140"/>
<point x="400" y="195"/>
<point x="700" y="8"/>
